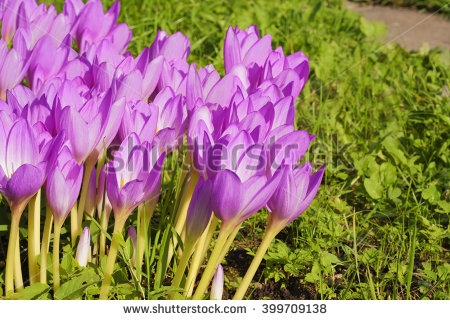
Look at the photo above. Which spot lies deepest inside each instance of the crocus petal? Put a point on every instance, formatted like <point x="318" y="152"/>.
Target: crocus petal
<point x="231" y="50"/>
<point x="199" y="212"/>
<point x="282" y="203"/>
<point x="78" y="133"/>
<point x="259" y="52"/>
<point x="227" y="194"/>
<point x="121" y="36"/>
<point x="290" y="148"/>
<point x="151" y="77"/>
<point x="21" y="146"/>
<point x="260" y="199"/>
<point x="252" y="162"/>
<point x="313" y="187"/>
<point x="62" y="191"/>
<point x="23" y="184"/>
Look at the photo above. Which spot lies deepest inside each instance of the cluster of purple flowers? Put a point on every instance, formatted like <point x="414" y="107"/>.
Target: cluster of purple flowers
<point x="70" y="91"/>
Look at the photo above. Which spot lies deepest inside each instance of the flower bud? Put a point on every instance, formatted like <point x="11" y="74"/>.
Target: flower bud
<point x="84" y="247"/>
<point x="217" y="284"/>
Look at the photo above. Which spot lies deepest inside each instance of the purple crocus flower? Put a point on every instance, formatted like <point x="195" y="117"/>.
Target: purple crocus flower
<point x="173" y="75"/>
<point x="63" y="185"/>
<point x="288" y="149"/>
<point x="139" y="82"/>
<point x="277" y="64"/>
<point x="140" y="118"/>
<point x="173" y="47"/>
<point x="22" y="164"/>
<point x="294" y="194"/>
<point x="10" y="16"/>
<point x="47" y="59"/>
<point x="199" y="212"/>
<point x="172" y="116"/>
<point x="242" y="190"/>
<point x="92" y="25"/>
<point x="91" y="127"/>
<point x="200" y="138"/>
<point x="246" y="48"/>
<point x="72" y="9"/>
<point x="133" y="176"/>
<point x="38" y="20"/>
<point x="84" y="247"/>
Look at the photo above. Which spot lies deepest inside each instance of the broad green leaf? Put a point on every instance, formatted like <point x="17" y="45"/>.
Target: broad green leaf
<point x="431" y="194"/>
<point x="373" y="188"/>
<point x="74" y="288"/>
<point x="31" y="292"/>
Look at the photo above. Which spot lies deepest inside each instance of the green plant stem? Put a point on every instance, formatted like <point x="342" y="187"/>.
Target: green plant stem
<point x="211" y="231"/>
<point x="56" y="238"/>
<point x="73" y="224"/>
<point x="149" y="208"/>
<point x="213" y="262"/>
<point x="102" y="243"/>
<point x="100" y="164"/>
<point x="183" y="239"/>
<point x="34" y="233"/>
<point x="45" y="243"/>
<point x="184" y="173"/>
<point x="76" y="225"/>
<point x="412" y="252"/>
<point x="193" y="270"/>
<point x="187" y="252"/>
<point x="10" y="256"/>
<point x="230" y="240"/>
<point x="199" y="255"/>
<point x="112" y="256"/>
<point x="267" y="239"/>
<point x="180" y="218"/>
<point x="18" y="279"/>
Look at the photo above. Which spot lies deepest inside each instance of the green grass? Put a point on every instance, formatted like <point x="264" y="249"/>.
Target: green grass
<point x="378" y="228"/>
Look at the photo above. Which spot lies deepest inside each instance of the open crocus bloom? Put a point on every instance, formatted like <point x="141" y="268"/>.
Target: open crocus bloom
<point x="133" y="176"/>
<point x="295" y="193"/>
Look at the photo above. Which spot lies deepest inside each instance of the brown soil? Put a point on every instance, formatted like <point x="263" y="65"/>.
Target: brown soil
<point x="238" y="262"/>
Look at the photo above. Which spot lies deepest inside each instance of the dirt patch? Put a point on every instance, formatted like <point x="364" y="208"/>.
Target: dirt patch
<point x="408" y="27"/>
<point x="295" y="288"/>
